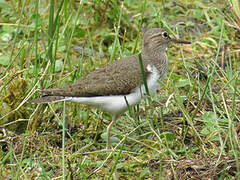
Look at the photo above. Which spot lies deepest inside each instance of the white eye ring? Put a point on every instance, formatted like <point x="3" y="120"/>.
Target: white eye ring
<point x="165" y="34"/>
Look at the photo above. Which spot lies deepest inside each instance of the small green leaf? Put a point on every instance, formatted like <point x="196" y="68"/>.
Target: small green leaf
<point x="175" y="76"/>
<point x="113" y="140"/>
<point x="210" y="120"/>
<point x="4" y="60"/>
<point x="209" y="116"/>
<point x="198" y="14"/>
<point x="182" y="83"/>
<point x="84" y="115"/>
<point x="79" y="32"/>
<point x="207" y="130"/>
<point x="99" y="163"/>
<point x="58" y="65"/>
<point x="168" y="136"/>
<point x="6" y="36"/>
<point x="8" y="29"/>
<point x="35" y="17"/>
<point x="190" y="24"/>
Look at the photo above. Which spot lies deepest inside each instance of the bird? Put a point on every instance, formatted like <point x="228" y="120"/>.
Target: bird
<point x="119" y="84"/>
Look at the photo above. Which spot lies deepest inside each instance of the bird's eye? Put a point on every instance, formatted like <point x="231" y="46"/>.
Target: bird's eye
<point x="165" y="35"/>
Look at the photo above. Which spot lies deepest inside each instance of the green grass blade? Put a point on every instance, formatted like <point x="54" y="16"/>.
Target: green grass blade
<point x="143" y="73"/>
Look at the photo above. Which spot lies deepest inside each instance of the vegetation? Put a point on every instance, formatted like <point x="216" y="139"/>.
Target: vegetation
<point x="188" y="130"/>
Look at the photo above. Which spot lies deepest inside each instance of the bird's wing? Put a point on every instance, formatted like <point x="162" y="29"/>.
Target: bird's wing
<point x="118" y="77"/>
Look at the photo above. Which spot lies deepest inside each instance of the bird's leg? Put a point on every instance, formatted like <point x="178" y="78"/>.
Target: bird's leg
<point x="114" y="118"/>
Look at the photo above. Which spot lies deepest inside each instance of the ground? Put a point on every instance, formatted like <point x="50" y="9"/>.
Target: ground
<point x="189" y="129"/>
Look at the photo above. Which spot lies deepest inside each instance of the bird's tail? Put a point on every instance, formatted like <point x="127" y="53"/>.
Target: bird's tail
<point x="47" y="99"/>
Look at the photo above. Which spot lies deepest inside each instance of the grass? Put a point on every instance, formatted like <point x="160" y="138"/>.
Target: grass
<point x="188" y="130"/>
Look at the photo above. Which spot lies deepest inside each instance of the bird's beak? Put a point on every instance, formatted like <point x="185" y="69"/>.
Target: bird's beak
<point x="180" y="41"/>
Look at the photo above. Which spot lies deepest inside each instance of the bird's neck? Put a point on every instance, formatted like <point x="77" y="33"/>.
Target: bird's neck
<point x="154" y="51"/>
<point x="156" y="56"/>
